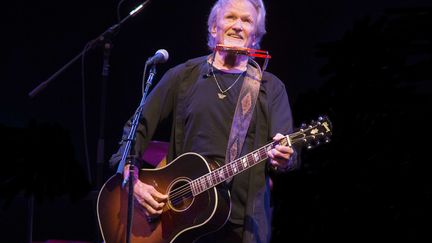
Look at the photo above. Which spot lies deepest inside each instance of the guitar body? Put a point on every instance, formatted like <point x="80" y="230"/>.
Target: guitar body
<point x="185" y="218"/>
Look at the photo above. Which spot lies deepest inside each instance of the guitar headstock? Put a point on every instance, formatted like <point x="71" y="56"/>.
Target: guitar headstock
<point x="314" y="134"/>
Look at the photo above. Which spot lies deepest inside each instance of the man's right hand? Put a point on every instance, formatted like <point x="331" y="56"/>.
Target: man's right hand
<point x="146" y="195"/>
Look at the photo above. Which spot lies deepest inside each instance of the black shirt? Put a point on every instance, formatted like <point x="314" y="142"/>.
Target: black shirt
<point x="208" y="120"/>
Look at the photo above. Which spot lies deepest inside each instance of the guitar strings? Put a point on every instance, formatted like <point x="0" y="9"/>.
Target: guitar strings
<point x="185" y="191"/>
<point x="179" y="196"/>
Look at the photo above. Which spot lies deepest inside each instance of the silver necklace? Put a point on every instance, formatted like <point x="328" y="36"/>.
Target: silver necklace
<point x="222" y="94"/>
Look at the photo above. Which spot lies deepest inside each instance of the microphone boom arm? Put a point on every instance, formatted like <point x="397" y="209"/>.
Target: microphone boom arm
<point x="91" y="44"/>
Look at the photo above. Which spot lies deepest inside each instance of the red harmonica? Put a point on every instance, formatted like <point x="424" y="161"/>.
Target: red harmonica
<point x="244" y="51"/>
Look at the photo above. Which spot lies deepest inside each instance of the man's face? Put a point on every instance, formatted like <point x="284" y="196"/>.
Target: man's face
<point x="235" y="24"/>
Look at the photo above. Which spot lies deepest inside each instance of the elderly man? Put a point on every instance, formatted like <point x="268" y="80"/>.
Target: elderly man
<point x="202" y="97"/>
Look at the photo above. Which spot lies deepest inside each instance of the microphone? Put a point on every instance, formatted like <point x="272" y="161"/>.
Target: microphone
<point x="209" y="72"/>
<point x="160" y="56"/>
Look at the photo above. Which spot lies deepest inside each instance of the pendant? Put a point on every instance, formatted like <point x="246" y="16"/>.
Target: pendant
<point x="221" y="96"/>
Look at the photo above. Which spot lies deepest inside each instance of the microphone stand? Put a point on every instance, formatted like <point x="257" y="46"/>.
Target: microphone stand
<point x="129" y="141"/>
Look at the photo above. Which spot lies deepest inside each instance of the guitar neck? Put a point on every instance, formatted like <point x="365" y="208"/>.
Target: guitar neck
<point x="233" y="168"/>
<point x="307" y="135"/>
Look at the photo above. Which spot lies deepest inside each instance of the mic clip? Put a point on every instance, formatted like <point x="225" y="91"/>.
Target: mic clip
<point x="206" y="75"/>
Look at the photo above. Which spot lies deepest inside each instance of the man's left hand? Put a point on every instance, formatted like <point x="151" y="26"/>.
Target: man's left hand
<point x="280" y="155"/>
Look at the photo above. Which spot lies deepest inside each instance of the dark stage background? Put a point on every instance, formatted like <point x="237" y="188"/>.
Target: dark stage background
<point x="365" y="64"/>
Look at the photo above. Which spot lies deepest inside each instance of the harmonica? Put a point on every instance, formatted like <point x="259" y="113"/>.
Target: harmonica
<point x="244" y="51"/>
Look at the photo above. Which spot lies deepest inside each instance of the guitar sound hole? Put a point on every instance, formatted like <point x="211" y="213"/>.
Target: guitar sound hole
<point x="180" y="195"/>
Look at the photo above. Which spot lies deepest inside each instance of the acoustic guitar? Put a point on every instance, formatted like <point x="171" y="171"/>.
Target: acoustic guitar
<point x="198" y="202"/>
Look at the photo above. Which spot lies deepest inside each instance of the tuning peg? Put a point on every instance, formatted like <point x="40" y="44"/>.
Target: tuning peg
<point x="306" y="143"/>
<point x="309" y="146"/>
<point x="303" y="126"/>
<point x="327" y="140"/>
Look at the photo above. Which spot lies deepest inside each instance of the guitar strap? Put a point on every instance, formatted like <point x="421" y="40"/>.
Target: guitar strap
<point x="244" y="110"/>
